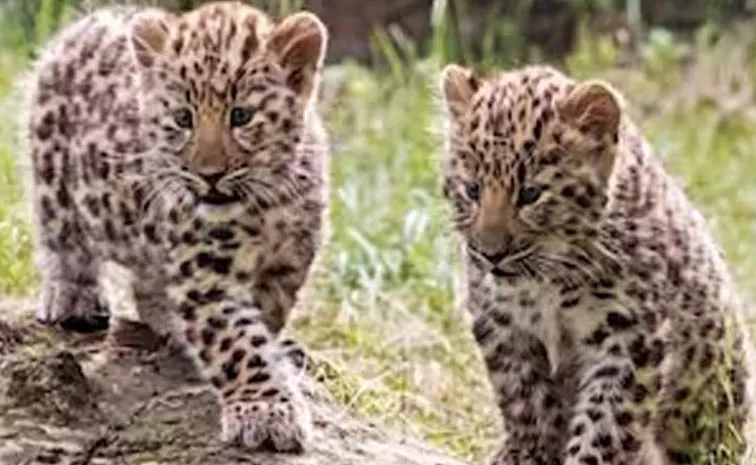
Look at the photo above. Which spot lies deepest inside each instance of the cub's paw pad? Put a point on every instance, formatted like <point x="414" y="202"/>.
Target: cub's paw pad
<point x="72" y="307"/>
<point x="275" y="425"/>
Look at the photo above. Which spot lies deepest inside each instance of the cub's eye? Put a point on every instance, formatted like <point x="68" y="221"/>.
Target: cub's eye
<point x="472" y="189"/>
<point x="184" y="118"/>
<point x="240" y="116"/>
<point x="529" y="195"/>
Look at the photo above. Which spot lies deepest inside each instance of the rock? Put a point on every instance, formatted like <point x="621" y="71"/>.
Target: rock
<point x="78" y="400"/>
<point x="50" y="387"/>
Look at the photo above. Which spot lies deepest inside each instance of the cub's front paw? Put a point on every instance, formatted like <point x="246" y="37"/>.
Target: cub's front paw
<point x="277" y="423"/>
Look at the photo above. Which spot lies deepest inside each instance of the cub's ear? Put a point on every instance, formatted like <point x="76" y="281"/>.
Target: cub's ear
<point x="458" y="86"/>
<point x="594" y="108"/>
<point x="149" y="35"/>
<point x="299" y="44"/>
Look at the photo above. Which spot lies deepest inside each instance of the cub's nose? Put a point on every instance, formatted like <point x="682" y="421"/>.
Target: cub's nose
<point x="212" y="178"/>
<point x="494" y="258"/>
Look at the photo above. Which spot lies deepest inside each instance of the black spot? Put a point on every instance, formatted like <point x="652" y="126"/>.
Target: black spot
<point x="217" y="322"/>
<point x="628" y="380"/>
<point x="220" y="265"/>
<point x="597" y="337"/>
<point x="203" y="259"/>
<point x="615" y="349"/>
<point x="607" y="372"/>
<point x="618" y="321"/>
<point x="682" y="394"/>
<point x="208" y="336"/>
<point x="595" y="415"/>
<point x="521" y="173"/>
<point x="482" y="330"/>
<point x="624" y="418"/>
<point x="221" y="233"/>
<point x="186" y="269"/>
<point x="256" y="362"/>
<point x="64" y="198"/>
<point x="569" y="303"/>
<point x="583" y="201"/>
<point x="237" y="355"/>
<point x="656" y="352"/>
<point x="231" y="371"/>
<point x="603" y="295"/>
<point x="244" y="321"/>
<point x="270" y="392"/>
<point x="578" y="430"/>
<point x="502" y="318"/>
<point x="188" y="238"/>
<point x="280" y="270"/>
<point x="604" y="440"/>
<point x="229" y="310"/>
<point x="589" y="459"/>
<point x="260" y="377"/>
<point x="639" y="393"/>
<point x="187" y="312"/>
<point x="630" y="444"/>
<point x="225" y="344"/>
<point x="537" y="129"/>
<point x="151" y="233"/>
<point x="258" y="340"/>
<point x="639" y="353"/>
<point x="215" y="294"/>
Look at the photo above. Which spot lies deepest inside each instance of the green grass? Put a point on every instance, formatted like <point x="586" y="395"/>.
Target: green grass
<point x="381" y="316"/>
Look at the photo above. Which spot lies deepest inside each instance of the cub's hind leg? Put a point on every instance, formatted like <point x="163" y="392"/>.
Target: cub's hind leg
<point x="704" y="399"/>
<point x="70" y="293"/>
<point x="68" y="265"/>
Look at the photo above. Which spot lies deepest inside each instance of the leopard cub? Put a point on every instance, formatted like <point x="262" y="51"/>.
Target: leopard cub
<point x="186" y="148"/>
<point x="605" y="313"/>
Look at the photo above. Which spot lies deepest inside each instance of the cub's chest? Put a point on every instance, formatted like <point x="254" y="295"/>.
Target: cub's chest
<point x="560" y="317"/>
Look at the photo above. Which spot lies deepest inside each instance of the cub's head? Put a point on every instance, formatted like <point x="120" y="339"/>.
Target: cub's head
<point x="223" y="95"/>
<point x="528" y="162"/>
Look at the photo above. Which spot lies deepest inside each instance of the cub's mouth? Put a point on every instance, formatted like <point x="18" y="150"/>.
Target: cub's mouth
<point x="216" y="197"/>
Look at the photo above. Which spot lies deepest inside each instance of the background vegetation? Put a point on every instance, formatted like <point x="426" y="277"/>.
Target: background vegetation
<point x="381" y="317"/>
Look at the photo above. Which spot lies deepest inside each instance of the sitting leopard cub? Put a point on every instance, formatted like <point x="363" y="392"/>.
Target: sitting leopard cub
<point x="187" y="149"/>
<point x="605" y="313"/>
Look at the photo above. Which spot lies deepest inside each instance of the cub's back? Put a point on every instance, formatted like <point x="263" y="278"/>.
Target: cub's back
<point x="81" y="94"/>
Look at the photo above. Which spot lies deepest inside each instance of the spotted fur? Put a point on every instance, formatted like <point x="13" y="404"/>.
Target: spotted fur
<point x="606" y="315"/>
<point x="187" y="149"/>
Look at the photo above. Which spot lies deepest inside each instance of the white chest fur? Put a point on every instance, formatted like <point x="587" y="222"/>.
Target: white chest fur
<point x="533" y="307"/>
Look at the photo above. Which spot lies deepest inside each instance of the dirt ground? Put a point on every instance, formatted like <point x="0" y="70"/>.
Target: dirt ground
<point x="78" y="399"/>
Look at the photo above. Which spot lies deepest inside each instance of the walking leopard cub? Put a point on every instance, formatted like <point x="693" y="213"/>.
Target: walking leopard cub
<point x="187" y="149"/>
<point x="604" y="311"/>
